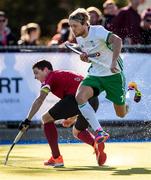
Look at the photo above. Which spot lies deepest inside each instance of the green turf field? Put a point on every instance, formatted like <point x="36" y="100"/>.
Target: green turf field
<point x="126" y="161"/>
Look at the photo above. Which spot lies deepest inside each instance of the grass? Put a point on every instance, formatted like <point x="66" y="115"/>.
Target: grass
<point x="126" y="161"/>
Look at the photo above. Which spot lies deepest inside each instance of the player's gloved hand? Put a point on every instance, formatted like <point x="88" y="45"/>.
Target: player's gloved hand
<point x="24" y="124"/>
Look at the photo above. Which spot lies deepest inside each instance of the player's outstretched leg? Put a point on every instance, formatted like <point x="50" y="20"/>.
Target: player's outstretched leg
<point x="101" y="136"/>
<point x="100" y="154"/>
<point x="138" y="94"/>
<point x="51" y="131"/>
<point x="87" y="137"/>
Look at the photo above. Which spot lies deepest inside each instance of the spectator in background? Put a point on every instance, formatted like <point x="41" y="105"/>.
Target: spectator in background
<point x="95" y="15"/>
<point x="146" y="26"/>
<point x="127" y="23"/>
<point x="110" y="10"/>
<point x="23" y="33"/>
<point x="30" y="34"/>
<point x="62" y="35"/>
<point x="6" y="36"/>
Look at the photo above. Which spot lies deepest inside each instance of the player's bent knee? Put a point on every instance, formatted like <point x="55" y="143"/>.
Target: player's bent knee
<point x="81" y="99"/>
<point x="47" y="118"/>
<point x="121" y="111"/>
<point x="121" y="115"/>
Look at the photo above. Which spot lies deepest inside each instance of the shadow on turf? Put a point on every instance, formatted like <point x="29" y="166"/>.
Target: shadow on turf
<point x="132" y="171"/>
<point x="85" y="168"/>
<point x="114" y="170"/>
<point x="107" y="168"/>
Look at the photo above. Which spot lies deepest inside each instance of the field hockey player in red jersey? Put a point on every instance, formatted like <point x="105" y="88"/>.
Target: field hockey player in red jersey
<point x="62" y="84"/>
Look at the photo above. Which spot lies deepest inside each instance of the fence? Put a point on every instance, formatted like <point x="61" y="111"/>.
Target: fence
<point x="18" y="88"/>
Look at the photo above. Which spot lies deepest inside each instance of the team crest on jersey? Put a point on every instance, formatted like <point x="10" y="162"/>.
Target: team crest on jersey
<point x="77" y="79"/>
<point x="97" y="54"/>
<point x="92" y="43"/>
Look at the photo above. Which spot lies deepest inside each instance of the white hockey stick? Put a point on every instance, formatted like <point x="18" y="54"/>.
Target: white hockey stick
<point x="72" y="47"/>
<point x="17" y="138"/>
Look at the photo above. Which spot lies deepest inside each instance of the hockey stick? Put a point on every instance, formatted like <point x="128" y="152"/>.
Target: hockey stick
<point x="72" y="47"/>
<point x="17" y="138"/>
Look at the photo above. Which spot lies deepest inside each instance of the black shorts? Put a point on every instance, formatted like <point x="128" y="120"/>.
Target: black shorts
<point x="67" y="107"/>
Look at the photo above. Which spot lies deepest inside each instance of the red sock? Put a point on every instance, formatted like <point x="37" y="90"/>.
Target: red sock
<point x="86" y="137"/>
<point x="52" y="137"/>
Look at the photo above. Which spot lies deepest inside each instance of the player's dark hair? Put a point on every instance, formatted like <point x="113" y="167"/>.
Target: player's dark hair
<point x="42" y="65"/>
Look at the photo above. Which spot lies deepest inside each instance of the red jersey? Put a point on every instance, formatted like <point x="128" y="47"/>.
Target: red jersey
<point x="62" y="83"/>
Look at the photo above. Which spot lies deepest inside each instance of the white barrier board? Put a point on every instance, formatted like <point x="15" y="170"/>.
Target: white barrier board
<point x="18" y="88"/>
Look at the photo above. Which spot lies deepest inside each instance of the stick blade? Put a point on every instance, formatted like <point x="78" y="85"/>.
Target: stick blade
<point x="6" y="159"/>
<point x="72" y="47"/>
<point x="17" y="138"/>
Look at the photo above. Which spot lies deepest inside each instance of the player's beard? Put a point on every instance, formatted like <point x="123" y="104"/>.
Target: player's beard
<point x="81" y="33"/>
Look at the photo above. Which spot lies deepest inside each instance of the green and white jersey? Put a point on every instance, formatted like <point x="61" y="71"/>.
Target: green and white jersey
<point x="97" y="47"/>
